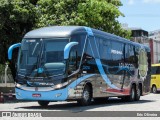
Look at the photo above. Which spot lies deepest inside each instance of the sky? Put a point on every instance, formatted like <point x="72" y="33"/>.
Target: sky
<point x="143" y="14"/>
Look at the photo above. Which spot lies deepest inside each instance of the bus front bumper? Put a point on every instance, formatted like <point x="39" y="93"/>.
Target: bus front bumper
<point x="54" y="95"/>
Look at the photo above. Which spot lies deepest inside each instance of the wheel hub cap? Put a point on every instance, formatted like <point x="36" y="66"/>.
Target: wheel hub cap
<point x="86" y="95"/>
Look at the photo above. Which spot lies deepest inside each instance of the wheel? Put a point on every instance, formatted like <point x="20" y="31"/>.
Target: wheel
<point x="101" y="100"/>
<point x="154" y="89"/>
<point x="43" y="103"/>
<point x="86" y="96"/>
<point x="138" y="93"/>
<point x="132" y="95"/>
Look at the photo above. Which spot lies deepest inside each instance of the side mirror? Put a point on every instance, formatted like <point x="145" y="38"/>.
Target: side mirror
<point x="68" y="48"/>
<point x="10" y="50"/>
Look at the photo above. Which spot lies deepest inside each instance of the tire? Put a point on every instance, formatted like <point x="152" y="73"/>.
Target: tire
<point x="86" y="96"/>
<point x="138" y="93"/>
<point x="43" y="103"/>
<point x="154" y="89"/>
<point x="132" y="95"/>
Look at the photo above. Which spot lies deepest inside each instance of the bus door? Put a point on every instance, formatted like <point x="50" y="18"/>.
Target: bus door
<point x="72" y="65"/>
<point x="72" y="70"/>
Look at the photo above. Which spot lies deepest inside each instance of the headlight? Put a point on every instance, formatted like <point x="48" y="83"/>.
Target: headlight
<point x="18" y="85"/>
<point x="60" y="85"/>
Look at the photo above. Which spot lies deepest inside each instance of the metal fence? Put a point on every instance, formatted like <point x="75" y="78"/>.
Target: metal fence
<point x="6" y="79"/>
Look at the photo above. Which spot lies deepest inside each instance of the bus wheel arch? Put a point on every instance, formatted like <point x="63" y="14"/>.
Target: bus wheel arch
<point x="90" y="86"/>
<point x="87" y="95"/>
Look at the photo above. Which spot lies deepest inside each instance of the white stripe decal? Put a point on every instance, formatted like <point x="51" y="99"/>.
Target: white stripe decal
<point x="98" y="61"/>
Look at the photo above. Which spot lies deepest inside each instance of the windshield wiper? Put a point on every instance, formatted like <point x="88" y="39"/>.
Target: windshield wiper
<point x="35" y="48"/>
<point x="39" y="61"/>
<point x="39" y="57"/>
<point x="36" y="64"/>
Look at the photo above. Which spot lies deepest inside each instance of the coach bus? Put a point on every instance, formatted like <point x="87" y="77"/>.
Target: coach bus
<point x="155" y="78"/>
<point x="78" y="63"/>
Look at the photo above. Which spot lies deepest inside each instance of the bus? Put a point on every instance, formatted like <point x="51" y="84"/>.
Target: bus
<point x="155" y="78"/>
<point x="78" y="63"/>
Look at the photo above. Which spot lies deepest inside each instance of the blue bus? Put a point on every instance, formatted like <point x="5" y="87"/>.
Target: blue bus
<point x="78" y="63"/>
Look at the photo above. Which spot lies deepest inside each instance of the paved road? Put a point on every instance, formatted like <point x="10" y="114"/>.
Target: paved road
<point x="149" y="102"/>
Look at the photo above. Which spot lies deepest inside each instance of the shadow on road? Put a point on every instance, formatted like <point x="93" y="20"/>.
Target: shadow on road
<point x="74" y="107"/>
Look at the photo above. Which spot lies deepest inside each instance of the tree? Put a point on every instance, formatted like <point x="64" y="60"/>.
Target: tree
<point x="99" y="14"/>
<point x="17" y="18"/>
<point x="20" y="16"/>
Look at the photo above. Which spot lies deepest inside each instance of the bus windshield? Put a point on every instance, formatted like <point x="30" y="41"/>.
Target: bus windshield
<point x="42" y="53"/>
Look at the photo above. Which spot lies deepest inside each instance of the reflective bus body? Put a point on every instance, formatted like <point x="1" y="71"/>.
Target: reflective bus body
<point x="76" y="63"/>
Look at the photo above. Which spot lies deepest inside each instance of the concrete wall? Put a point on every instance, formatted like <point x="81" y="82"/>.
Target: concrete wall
<point x="155" y="51"/>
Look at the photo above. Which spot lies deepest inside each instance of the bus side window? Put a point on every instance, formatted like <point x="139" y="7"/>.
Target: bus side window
<point x="131" y="55"/>
<point x="153" y="70"/>
<point x="158" y="70"/>
<point x="72" y="61"/>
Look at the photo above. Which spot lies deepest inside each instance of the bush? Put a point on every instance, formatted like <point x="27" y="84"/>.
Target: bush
<point x="2" y="74"/>
<point x="2" y="67"/>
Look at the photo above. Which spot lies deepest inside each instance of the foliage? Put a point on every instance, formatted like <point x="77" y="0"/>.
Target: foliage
<point x="99" y="14"/>
<point x="17" y="18"/>
<point x="2" y="67"/>
<point x="20" y="16"/>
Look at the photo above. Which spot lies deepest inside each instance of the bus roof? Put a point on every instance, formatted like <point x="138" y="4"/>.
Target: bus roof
<point x="158" y="64"/>
<point x="54" y="31"/>
<point x="67" y="31"/>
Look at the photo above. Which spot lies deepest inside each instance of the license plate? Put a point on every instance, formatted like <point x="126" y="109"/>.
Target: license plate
<point x="36" y="95"/>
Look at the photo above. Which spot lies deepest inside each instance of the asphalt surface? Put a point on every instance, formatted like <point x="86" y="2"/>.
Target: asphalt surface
<point x="150" y="102"/>
<point x="146" y="103"/>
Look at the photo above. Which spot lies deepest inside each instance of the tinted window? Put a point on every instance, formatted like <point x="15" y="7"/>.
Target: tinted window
<point x="54" y="50"/>
<point x="72" y="61"/>
<point x="104" y="49"/>
<point x="111" y="54"/>
<point x="80" y="38"/>
<point x="91" y="52"/>
<point x="111" y="50"/>
<point x="155" y="70"/>
<point x="117" y="51"/>
<point x="130" y="54"/>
